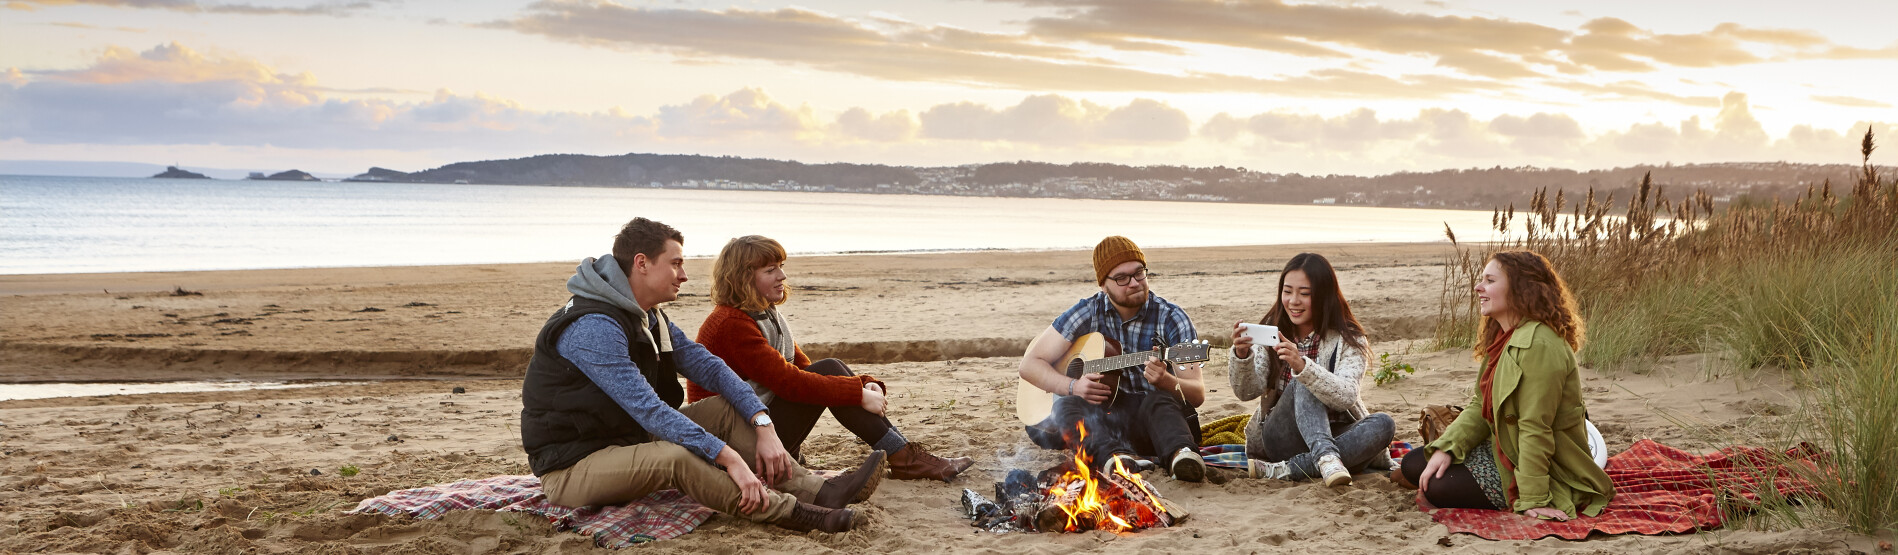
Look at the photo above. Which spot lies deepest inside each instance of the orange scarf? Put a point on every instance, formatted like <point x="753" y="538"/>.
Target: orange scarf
<point x="1487" y="384"/>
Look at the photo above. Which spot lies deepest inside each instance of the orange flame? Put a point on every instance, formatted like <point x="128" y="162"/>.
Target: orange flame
<point x="1121" y="513"/>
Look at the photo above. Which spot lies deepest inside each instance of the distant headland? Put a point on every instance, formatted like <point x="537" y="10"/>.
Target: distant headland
<point x="1478" y="188"/>
<point x="173" y="172"/>
<point x="1472" y="188"/>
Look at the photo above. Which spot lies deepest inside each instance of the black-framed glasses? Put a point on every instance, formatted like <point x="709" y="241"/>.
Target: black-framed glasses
<point x="1124" y="279"/>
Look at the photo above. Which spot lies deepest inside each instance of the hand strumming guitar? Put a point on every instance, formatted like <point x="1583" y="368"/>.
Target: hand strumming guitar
<point x="1089" y="387"/>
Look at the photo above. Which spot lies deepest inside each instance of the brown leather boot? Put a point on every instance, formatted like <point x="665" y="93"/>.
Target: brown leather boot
<point x="806" y="517"/>
<point x="912" y="462"/>
<point x="855" y="486"/>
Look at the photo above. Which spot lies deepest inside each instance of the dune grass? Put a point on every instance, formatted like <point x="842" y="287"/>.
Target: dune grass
<point x="1809" y="288"/>
<point x="1853" y="413"/>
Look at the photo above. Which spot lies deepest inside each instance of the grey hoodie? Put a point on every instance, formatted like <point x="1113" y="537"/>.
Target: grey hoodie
<point x="601" y="280"/>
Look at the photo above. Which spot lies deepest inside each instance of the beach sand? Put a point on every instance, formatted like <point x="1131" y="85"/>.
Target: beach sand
<point x="229" y="472"/>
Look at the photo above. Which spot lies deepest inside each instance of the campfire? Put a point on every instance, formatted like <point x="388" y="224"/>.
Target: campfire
<point x="1073" y="497"/>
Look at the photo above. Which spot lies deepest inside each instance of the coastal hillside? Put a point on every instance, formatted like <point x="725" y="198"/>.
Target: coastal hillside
<point x="1480" y="188"/>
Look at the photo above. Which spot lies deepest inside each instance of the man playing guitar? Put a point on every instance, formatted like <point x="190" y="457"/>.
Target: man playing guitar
<point x="1149" y="415"/>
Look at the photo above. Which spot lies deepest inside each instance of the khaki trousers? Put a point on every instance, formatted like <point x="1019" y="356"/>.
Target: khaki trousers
<point x="625" y="473"/>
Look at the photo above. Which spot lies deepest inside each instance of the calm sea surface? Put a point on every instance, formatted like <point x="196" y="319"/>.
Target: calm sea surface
<point x="78" y="224"/>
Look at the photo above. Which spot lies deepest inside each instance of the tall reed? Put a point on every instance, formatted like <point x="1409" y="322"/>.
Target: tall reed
<point x="1649" y="273"/>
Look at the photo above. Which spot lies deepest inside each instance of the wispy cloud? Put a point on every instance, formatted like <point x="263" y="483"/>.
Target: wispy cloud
<point x="1058" y="120"/>
<point x="1851" y="101"/>
<point x="77" y="25"/>
<point x="332" y="8"/>
<point x="1079" y="47"/>
<point x="1483" y="46"/>
<point x="901" y="51"/>
<point x="1632" y="90"/>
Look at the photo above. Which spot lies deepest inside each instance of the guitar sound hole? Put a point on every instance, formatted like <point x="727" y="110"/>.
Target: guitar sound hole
<point x="1074" y="368"/>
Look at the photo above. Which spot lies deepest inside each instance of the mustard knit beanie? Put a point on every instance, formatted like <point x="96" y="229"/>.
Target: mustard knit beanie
<point x="1114" y="251"/>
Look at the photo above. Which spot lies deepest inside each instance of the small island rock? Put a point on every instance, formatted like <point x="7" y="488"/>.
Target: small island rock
<point x="174" y="172"/>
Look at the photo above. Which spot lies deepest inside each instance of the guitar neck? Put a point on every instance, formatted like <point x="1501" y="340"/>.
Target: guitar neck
<point x="1117" y="362"/>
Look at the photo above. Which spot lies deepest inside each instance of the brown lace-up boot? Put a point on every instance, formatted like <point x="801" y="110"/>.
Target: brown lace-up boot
<point x="856" y="486"/>
<point x="912" y="462"/>
<point x="806" y="517"/>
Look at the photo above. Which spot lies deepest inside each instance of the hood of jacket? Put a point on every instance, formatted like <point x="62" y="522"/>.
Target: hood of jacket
<point x="600" y="279"/>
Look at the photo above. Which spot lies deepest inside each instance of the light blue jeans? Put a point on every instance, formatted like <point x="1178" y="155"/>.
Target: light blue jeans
<point x="1299" y="431"/>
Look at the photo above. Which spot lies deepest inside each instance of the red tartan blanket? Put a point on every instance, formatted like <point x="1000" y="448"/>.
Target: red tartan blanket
<point x="663" y="515"/>
<point x="1658" y="490"/>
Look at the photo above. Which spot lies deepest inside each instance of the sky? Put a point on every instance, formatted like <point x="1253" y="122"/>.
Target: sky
<point x="1359" y="88"/>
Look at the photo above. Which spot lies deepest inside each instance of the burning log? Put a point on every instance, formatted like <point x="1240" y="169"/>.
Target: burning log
<point x="1074" y="497"/>
<point x="1143" y="499"/>
<point x="1062" y="509"/>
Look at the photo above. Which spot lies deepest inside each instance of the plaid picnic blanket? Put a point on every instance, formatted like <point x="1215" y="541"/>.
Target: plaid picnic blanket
<point x="1233" y="455"/>
<point x="663" y="515"/>
<point x="1658" y="489"/>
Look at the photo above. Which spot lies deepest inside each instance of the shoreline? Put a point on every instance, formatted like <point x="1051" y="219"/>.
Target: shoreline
<point x="147" y="280"/>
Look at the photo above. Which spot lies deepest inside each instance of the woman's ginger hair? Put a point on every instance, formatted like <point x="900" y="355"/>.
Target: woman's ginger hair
<point x="733" y="269"/>
<point x="1537" y="293"/>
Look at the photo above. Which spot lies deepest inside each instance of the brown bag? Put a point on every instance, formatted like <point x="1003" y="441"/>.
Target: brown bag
<point x="1436" y="419"/>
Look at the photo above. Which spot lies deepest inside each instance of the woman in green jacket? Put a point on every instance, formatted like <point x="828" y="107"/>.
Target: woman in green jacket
<point x="1521" y="444"/>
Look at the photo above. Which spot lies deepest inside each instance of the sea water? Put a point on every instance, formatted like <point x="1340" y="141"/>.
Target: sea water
<point x="13" y="392"/>
<point x="81" y="224"/>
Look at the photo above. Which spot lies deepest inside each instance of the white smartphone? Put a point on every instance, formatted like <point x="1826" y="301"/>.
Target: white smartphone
<point x="1262" y="334"/>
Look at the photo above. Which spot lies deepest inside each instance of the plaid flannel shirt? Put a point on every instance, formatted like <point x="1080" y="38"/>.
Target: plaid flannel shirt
<point x="1096" y="314"/>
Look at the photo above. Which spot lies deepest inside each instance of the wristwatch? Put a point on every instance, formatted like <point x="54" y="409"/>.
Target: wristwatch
<point x="761" y="420"/>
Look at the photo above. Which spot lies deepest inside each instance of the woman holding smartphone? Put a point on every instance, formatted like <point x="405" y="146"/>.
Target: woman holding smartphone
<point x="1310" y="422"/>
<point x="1522" y="445"/>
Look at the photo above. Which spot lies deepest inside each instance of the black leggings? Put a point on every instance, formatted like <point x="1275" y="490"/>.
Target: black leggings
<point x="794" y="420"/>
<point x="1456" y="489"/>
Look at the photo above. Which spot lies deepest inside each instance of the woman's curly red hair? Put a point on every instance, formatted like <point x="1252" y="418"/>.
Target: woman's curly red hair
<point x="1537" y="293"/>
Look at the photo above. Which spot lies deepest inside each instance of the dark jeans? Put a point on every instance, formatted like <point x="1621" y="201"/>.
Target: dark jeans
<point x="1150" y="425"/>
<point x="794" y="420"/>
<point x="1457" y="489"/>
<point x="1299" y="431"/>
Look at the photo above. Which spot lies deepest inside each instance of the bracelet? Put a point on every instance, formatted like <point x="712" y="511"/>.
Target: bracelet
<point x="1071" y="387"/>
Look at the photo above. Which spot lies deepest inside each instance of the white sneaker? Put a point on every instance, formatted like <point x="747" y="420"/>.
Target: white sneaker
<point x="1334" y="471"/>
<point x="1188" y="466"/>
<point x="1256" y="468"/>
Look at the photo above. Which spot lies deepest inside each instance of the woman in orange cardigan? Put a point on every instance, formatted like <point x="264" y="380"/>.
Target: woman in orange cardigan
<point x="747" y="331"/>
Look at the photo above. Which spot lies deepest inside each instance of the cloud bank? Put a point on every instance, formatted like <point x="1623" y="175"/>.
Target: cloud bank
<point x="173" y="95"/>
<point x="334" y="8"/>
<point x="1085" y="47"/>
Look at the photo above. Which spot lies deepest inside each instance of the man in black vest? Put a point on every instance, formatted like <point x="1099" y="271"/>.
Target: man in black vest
<point x="602" y="422"/>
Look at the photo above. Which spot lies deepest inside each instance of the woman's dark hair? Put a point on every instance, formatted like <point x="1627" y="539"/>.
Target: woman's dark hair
<point x="1329" y="311"/>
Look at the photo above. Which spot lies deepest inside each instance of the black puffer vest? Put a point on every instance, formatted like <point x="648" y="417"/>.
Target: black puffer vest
<point x="565" y="416"/>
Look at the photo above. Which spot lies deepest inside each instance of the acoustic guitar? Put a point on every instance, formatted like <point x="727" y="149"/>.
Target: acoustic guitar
<point x="1090" y="354"/>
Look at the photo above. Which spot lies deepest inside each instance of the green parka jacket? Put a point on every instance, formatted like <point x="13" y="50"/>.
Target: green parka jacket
<point x="1538" y="405"/>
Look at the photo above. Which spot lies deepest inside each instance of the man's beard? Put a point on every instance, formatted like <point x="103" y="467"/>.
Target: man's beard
<point x="1133" y="301"/>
